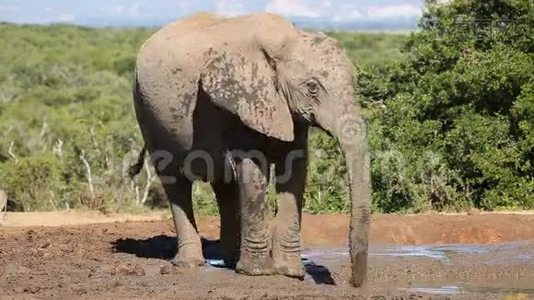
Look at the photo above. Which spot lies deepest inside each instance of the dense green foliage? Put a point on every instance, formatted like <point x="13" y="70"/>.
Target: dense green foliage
<point x="65" y="110"/>
<point x="451" y="121"/>
<point x="451" y="126"/>
<point x="451" y="116"/>
<point x="65" y="98"/>
<point x="373" y="51"/>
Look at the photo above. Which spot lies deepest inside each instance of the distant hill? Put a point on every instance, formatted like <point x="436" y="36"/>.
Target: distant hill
<point x="395" y="24"/>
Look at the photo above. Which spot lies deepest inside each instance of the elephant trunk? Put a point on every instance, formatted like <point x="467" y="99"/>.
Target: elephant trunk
<point x="354" y="148"/>
<point x="351" y="131"/>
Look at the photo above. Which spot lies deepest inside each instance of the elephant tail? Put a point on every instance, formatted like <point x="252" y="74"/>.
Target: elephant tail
<point x="136" y="168"/>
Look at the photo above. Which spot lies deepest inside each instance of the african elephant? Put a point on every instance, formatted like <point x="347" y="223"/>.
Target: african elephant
<point x="206" y="87"/>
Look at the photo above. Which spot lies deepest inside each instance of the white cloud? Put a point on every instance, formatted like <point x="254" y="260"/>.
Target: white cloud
<point x="347" y="15"/>
<point x="131" y="11"/>
<point x="293" y="8"/>
<point x="230" y="7"/>
<point x="403" y="10"/>
<point x="66" y="18"/>
<point x="342" y="11"/>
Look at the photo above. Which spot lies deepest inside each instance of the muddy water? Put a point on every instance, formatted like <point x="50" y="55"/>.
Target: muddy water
<point x="489" y="261"/>
<point x="480" y="266"/>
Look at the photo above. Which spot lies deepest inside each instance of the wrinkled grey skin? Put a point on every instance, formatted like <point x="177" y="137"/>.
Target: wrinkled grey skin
<point x="249" y="83"/>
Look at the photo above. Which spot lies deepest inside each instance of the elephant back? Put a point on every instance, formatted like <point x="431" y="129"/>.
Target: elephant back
<point x="170" y="63"/>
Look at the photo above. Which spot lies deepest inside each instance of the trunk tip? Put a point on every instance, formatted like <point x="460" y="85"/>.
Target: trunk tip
<point x="359" y="266"/>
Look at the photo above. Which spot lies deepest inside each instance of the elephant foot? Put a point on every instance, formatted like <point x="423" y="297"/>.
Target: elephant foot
<point x="187" y="263"/>
<point x="255" y="265"/>
<point x="289" y="265"/>
<point x="188" y="258"/>
<point x="230" y="254"/>
<point x="230" y="262"/>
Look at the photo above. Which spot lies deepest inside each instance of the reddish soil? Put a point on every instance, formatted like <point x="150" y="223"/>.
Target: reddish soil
<point x="424" y="229"/>
<point x="131" y="260"/>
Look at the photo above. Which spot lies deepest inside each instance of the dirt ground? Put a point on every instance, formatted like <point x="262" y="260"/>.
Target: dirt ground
<point x="478" y="256"/>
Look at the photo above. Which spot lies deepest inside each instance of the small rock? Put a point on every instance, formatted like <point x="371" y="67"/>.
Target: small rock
<point x="128" y="269"/>
<point x="80" y="291"/>
<point x="170" y="270"/>
<point x="116" y="283"/>
<point x="164" y="270"/>
<point x="46" y="244"/>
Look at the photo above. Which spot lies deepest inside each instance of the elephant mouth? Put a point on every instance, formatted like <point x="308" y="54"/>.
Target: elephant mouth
<point x="315" y="123"/>
<point x="326" y="131"/>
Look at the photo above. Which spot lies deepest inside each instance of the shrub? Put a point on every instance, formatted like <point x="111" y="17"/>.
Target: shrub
<point x="450" y="110"/>
<point x="466" y="98"/>
<point x="34" y="183"/>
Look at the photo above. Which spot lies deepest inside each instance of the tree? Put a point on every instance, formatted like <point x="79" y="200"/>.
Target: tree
<point x="452" y="125"/>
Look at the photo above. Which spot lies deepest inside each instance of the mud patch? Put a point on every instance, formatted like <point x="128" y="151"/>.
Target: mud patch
<point x="132" y="260"/>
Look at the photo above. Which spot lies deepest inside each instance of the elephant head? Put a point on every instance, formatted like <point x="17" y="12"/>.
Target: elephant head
<point x="285" y="75"/>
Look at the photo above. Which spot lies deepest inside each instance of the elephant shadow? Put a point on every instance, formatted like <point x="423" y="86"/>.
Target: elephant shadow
<point x="164" y="247"/>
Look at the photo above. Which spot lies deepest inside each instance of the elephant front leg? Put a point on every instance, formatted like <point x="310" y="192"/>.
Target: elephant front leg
<point x="255" y="249"/>
<point x="291" y="180"/>
<point x="189" y="244"/>
<point x="228" y="201"/>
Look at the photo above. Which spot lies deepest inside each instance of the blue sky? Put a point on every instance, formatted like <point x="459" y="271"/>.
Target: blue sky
<point x="147" y="12"/>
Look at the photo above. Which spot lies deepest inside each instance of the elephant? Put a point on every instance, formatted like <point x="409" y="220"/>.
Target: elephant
<point x="222" y="100"/>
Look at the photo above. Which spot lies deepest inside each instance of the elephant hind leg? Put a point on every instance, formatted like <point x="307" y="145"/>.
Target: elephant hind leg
<point x="178" y="191"/>
<point x="228" y="200"/>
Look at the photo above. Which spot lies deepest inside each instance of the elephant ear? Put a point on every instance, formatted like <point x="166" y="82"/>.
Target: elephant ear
<point x="246" y="86"/>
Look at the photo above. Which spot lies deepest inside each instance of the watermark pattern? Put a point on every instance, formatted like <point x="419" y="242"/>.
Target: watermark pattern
<point x="201" y="165"/>
<point x="162" y="160"/>
<point x="349" y="128"/>
<point x="465" y="27"/>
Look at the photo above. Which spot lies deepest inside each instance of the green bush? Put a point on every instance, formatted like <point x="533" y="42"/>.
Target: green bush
<point x="66" y="119"/>
<point x="450" y="110"/>
<point x="35" y="183"/>
<point x="465" y="97"/>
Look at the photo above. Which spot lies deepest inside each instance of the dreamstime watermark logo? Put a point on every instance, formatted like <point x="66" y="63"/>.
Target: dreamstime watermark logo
<point x="201" y="165"/>
<point x="466" y="27"/>
<point x="392" y="165"/>
<point x="351" y="130"/>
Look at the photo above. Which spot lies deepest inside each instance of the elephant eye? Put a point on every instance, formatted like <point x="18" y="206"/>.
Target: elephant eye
<point x="313" y="87"/>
